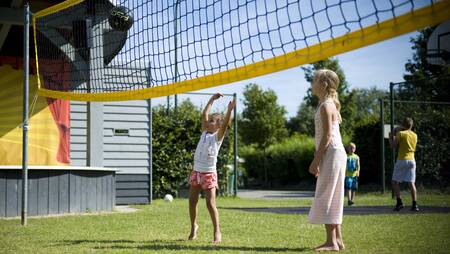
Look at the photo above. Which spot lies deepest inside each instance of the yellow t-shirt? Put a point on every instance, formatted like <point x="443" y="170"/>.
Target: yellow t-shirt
<point x="407" y="141"/>
<point x="352" y="165"/>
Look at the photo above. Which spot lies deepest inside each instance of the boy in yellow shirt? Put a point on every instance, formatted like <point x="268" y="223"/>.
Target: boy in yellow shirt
<point x="352" y="173"/>
<point x="405" y="167"/>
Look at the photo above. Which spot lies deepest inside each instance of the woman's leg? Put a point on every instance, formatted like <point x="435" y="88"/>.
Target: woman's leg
<point x="193" y="200"/>
<point x="339" y="240"/>
<point x="330" y="244"/>
<point x="214" y="213"/>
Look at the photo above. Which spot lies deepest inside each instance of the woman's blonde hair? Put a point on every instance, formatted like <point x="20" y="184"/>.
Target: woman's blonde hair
<point x="330" y="80"/>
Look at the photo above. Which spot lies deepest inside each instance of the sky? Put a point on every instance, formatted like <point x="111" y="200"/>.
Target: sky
<point x="218" y="35"/>
<point x="372" y="66"/>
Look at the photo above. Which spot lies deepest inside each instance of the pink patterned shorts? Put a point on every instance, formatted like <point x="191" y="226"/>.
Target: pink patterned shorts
<point x="205" y="181"/>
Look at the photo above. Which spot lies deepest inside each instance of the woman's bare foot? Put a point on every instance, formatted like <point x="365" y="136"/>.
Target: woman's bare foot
<point x="340" y="245"/>
<point x="327" y="247"/>
<point x="217" y="237"/>
<point x="193" y="234"/>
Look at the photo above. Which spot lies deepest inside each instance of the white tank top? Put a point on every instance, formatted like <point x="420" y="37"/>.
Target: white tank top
<point x="336" y="140"/>
<point x="205" y="157"/>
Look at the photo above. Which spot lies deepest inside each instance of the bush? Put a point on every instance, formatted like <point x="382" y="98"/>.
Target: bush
<point x="175" y="137"/>
<point x="367" y="140"/>
<point x="286" y="162"/>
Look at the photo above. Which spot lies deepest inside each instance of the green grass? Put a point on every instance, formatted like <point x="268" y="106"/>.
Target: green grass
<point x="163" y="228"/>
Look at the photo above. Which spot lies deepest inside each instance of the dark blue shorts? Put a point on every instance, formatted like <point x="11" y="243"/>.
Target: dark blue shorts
<point x="351" y="182"/>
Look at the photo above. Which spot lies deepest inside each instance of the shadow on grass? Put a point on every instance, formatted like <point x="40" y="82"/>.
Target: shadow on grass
<point x="174" y="245"/>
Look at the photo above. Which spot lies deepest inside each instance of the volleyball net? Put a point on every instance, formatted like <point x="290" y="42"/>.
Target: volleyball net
<point x="100" y="50"/>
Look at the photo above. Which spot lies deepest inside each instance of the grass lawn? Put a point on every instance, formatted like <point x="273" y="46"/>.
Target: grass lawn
<point x="163" y="227"/>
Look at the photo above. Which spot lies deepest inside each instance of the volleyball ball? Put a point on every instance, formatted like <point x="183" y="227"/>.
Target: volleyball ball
<point x="168" y="198"/>
<point x="120" y="18"/>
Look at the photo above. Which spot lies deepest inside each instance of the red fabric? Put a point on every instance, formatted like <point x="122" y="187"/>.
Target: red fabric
<point x="205" y="181"/>
<point x="60" y="108"/>
<point x="61" y="114"/>
<point x="17" y="63"/>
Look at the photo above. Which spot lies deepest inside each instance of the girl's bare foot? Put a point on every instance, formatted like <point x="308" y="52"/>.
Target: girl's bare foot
<point x="217" y="237"/>
<point x="193" y="234"/>
<point x="327" y="247"/>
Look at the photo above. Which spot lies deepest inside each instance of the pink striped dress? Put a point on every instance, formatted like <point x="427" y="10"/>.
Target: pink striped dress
<point x="328" y="204"/>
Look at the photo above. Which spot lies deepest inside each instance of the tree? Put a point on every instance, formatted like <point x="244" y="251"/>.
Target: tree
<point x="331" y="64"/>
<point x="263" y="120"/>
<point x="303" y="122"/>
<point x="427" y="83"/>
<point x="367" y="104"/>
<point x="418" y="67"/>
<point x="362" y="104"/>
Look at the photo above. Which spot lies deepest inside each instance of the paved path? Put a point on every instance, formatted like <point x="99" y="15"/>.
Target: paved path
<point x="124" y="209"/>
<point x="274" y="194"/>
<point x="353" y="210"/>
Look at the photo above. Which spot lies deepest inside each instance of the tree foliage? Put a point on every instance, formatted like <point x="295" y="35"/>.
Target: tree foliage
<point x="263" y="120"/>
<point x="175" y="137"/>
<point x="418" y="67"/>
<point x="303" y="121"/>
<point x="287" y="160"/>
<point x="331" y="64"/>
<point x="428" y="85"/>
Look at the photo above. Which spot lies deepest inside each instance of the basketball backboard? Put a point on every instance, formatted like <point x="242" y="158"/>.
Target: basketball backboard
<point x="387" y="130"/>
<point x="438" y="46"/>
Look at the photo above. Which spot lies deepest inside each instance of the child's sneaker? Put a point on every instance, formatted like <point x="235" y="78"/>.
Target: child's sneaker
<point x="350" y="203"/>
<point x="399" y="206"/>
<point x="414" y="207"/>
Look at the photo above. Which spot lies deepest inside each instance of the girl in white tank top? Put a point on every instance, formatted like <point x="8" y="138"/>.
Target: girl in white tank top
<point x="205" y="157"/>
<point x="204" y="175"/>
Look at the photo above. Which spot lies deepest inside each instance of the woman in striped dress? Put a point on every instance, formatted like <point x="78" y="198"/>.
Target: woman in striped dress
<point x="329" y="161"/>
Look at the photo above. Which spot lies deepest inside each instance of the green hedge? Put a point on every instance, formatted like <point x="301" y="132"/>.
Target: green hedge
<point x="367" y="140"/>
<point x="175" y="137"/>
<point x="286" y="162"/>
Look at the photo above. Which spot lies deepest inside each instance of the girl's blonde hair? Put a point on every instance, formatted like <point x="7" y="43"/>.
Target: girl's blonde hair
<point x="218" y="115"/>
<point x="330" y="81"/>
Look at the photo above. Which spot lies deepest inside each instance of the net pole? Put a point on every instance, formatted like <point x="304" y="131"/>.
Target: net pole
<point x="391" y="97"/>
<point x="235" y="141"/>
<point x="150" y="148"/>
<point x="383" y="181"/>
<point x="150" y="181"/>
<point x="26" y="74"/>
